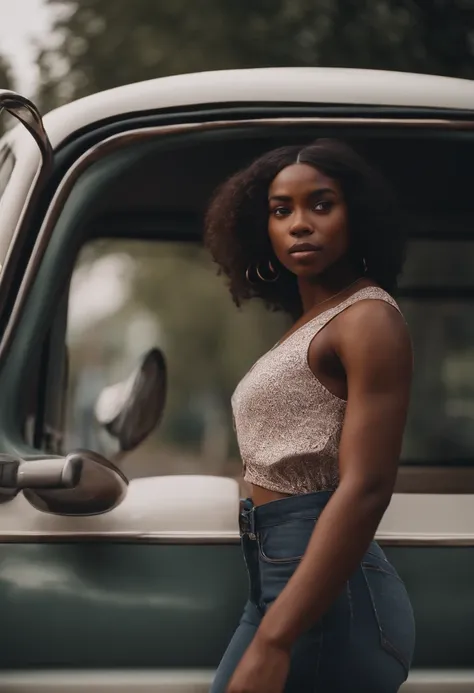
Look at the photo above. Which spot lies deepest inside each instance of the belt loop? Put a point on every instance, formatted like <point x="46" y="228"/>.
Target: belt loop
<point x="253" y="531"/>
<point x="247" y="518"/>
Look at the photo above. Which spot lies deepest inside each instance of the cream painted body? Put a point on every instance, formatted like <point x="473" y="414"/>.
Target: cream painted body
<point x="187" y="507"/>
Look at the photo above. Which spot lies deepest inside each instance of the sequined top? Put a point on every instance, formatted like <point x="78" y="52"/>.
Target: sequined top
<point x="288" y="423"/>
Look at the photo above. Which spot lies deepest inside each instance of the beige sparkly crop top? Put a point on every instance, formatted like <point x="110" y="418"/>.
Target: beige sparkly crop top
<point x="288" y="424"/>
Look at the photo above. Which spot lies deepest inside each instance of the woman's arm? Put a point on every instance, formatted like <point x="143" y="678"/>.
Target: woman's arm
<point x="373" y="345"/>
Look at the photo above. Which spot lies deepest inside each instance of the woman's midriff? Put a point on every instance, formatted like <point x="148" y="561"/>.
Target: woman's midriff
<point x="260" y="495"/>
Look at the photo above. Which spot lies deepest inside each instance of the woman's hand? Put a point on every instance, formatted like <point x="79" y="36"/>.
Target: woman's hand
<point x="263" y="669"/>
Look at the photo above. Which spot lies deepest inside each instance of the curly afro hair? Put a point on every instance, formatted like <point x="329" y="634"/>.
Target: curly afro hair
<point x="236" y="223"/>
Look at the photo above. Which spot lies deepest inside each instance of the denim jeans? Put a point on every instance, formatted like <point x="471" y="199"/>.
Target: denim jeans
<point x="364" y="642"/>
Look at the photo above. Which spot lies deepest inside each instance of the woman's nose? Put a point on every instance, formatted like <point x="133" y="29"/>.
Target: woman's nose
<point x="300" y="226"/>
<point x="300" y="230"/>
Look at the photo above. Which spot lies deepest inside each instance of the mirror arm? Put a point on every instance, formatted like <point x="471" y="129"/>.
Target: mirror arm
<point x="53" y="473"/>
<point x="82" y="483"/>
<point x="26" y="112"/>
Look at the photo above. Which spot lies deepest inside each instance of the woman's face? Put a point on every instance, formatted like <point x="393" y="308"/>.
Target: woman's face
<point x="308" y="220"/>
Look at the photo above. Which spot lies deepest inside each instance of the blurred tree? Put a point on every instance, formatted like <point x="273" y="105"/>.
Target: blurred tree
<point x="6" y="79"/>
<point x="6" y="82"/>
<point x="104" y="44"/>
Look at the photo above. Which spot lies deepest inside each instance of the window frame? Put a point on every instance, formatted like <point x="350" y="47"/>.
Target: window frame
<point x="107" y="147"/>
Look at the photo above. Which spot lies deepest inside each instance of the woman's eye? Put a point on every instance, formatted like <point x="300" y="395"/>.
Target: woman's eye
<point x="280" y="211"/>
<point x="323" y="206"/>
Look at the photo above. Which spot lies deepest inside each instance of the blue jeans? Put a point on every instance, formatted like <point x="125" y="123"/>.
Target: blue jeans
<point x="363" y="643"/>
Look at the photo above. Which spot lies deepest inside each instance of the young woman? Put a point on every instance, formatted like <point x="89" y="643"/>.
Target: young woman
<point x="319" y="421"/>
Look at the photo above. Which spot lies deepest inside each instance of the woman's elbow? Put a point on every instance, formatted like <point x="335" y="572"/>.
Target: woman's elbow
<point x="372" y="494"/>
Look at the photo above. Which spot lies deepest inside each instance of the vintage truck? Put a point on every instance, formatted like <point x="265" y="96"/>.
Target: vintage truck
<point x="120" y="565"/>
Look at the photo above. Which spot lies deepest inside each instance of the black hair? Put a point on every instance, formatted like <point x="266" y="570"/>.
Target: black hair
<point x="236" y="224"/>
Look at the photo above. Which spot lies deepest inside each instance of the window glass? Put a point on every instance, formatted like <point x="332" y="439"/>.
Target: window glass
<point x="129" y="296"/>
<point x="439" y="264"/>
<point x="440" y="426"/>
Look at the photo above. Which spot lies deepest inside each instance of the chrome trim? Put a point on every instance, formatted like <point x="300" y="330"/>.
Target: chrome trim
<point x="439" y="681"/>
<point x="21" y="215"/>
<point x="90" y="484"/>
<point x="122" y="139"/>
<point x="425" y="539"/>
<point x="107" y="681"/>
<point x="169" y="538"/>
<point x="190" y="681"/>
<point x="203" y="538"/>
<point x="26" y="112"/>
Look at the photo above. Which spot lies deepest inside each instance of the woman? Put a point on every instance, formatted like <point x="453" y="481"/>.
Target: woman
<point x="319" y="421"/>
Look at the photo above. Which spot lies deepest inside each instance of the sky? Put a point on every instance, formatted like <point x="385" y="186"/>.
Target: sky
<point x="21" y="23"/>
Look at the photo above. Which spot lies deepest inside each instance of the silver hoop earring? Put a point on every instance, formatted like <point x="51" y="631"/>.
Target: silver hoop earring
<point x="364" y="265"/>
<point x="247" y="276"/>
<point x="275" y="275"/>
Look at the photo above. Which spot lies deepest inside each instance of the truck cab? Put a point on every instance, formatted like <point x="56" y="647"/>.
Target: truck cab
<point x="120" y="481"/>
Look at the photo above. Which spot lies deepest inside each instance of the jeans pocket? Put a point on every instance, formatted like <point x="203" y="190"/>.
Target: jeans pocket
<point x="392" y="608"/>
<point x="285" y="542"/>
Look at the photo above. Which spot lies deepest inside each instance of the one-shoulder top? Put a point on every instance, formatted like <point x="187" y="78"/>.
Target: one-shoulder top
<point x="288" y="424"/>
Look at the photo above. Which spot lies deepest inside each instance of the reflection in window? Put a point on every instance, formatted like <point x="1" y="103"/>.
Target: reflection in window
<point x="441" y="421"/>
<point x="439" y="263"/>
<point x="129" y="296"/>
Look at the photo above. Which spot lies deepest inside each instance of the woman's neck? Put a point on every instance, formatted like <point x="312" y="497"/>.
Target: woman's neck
<point x="324" y="287"/>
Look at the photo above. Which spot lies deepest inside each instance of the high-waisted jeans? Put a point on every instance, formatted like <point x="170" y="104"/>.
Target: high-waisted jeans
<point x="363" y="643"/>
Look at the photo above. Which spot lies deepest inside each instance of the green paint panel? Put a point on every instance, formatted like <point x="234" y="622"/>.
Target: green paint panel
<point x="106" y="606"/>
<point x="440" y="581"/>
<point x="157" y="606"/>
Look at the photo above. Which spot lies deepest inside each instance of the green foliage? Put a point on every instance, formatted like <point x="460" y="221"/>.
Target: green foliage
<point x="104" y="44"/>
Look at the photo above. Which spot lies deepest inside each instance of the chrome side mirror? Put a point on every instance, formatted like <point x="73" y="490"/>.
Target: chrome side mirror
<point x="83" y="483"/>
<point x="130" y="410"/>
<point x="26" y="112"/>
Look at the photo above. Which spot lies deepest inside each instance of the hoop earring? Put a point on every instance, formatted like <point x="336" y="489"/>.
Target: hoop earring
<point x="247" y="276"/>
<point x="275" y="274"/>
<point x="364" y="265"/>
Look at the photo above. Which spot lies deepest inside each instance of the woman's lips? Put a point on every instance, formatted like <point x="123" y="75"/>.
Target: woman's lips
<point x="303" y="247"/>
<point x="301" y="254"/>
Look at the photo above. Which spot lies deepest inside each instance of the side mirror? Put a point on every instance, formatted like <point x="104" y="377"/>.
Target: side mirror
<point x="130" y="410"/>
<point x="83" y="483"/>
